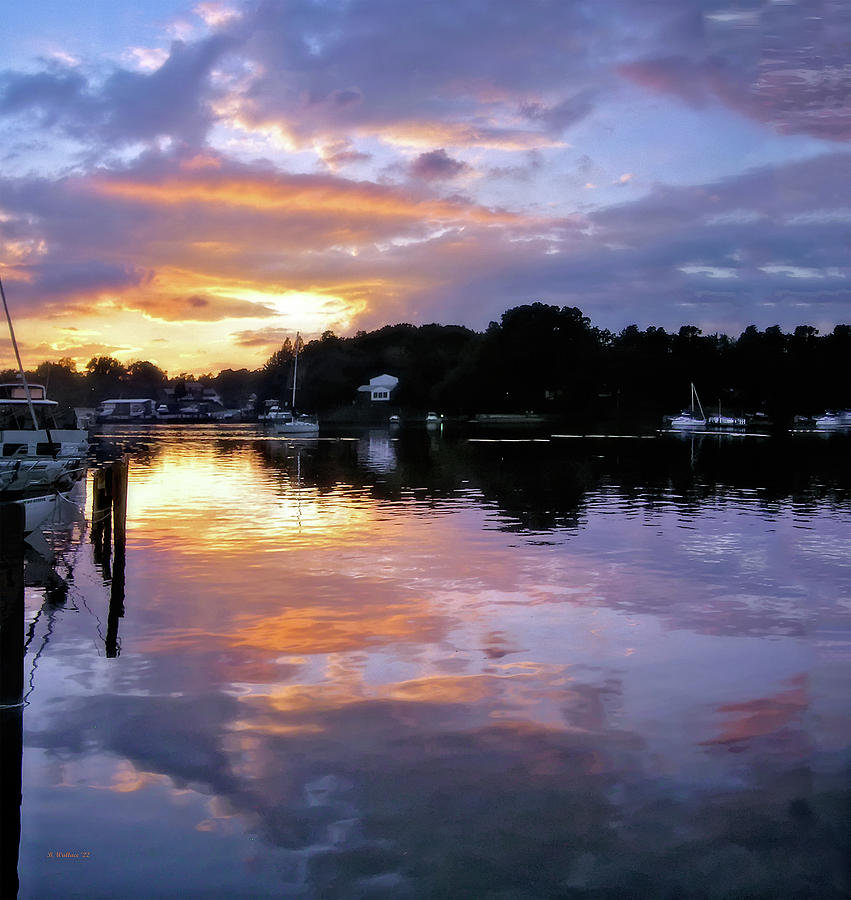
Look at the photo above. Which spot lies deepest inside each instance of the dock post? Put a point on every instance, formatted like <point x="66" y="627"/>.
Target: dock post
<point x="118" y="485"/>
<point x="11" y="690"/>
<point x="100" y="513"/>
<point x="120" y="470"/>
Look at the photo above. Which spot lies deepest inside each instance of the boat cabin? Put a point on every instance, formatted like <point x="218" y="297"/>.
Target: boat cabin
<point x="15" y="414"/>
<point x="124" y="410"/>
<point x="17" y="391"/>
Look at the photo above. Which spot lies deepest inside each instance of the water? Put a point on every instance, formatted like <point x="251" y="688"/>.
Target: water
<point x="426" y="667"/>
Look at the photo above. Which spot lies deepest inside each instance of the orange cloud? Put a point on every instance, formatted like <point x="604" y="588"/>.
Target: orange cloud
<point x="296" y="193"/>
<point x="460" y="134"/>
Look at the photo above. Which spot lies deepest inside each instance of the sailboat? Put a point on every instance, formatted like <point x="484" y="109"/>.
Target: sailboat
<point x="35" y="455"/>
<point x="296" y="425"/>
<point x="721" y="421"/>
<point x="689" y="418"/>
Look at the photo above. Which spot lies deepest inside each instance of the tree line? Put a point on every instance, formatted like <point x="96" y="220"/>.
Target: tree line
<point x="537" y="358"/>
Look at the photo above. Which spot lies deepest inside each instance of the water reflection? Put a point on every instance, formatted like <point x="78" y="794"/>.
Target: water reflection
<point x="419" y="667"/>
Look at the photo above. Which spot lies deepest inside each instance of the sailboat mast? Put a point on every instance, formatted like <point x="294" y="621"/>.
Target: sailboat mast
<point x="699" y="405"/>
<point x="18" y="358"/>
<point x="295" y="370"/>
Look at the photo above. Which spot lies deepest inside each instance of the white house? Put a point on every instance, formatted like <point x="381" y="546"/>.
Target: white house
<point x="380" y="388"/>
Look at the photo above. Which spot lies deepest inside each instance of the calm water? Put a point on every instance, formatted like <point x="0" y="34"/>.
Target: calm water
<point x="429" y="667"/>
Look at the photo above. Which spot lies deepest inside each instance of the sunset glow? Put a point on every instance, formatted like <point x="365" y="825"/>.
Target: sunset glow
<point x="190" y="185"/>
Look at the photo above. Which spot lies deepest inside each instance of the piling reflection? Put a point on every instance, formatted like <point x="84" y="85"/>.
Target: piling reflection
<point x="109" y="517"/>
<point x="11" y="689"/>
<point x="37" y="561"/>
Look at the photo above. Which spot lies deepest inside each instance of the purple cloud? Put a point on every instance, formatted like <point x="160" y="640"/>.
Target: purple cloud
<point x="436" y="165"/>
<point x="128" y="106"/>
<point x="783" y="64"/>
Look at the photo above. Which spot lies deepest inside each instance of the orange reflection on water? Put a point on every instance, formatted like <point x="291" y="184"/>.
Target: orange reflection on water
<point x="333" y="630"/>
<point x="764" y="715"/>
<point x="206" y="505"/>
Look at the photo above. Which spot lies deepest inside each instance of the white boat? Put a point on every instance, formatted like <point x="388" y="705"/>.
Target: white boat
<point x="289" y="423"/>
<point x="721" y="421"/>
<point x="302" y="425"/>
<point x="835" y="419"/>
<point x="433" y="419"/>
<point x="140" y="409"/>
<point x="689" y="418"/>
<point x="37" y="509"/>
<point x="35" y="454"/>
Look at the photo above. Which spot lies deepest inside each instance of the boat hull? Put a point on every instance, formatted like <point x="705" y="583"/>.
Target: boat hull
<point x="37" y="509"/>
<point x="302" y="429"/>
<point x="686" y="422"/>
<point x="727" y="422"/>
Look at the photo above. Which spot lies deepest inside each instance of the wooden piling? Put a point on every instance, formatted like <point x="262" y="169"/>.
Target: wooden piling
<point x="11" y="690"/>
<point x="120" y="471"/>
<point x="100" y="513"/>
<point x="11" y="603"/>
<point x="118" y="490"/>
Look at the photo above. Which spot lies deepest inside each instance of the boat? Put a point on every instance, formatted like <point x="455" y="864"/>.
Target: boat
<point x="721" y="421"/>
<point x="509" y="419"/>
<point x="37" y="509"/>
<point x="433" y="419"/>
<point x="290" y="423"/>
<point x="301" y="425"/>
<point x="833" y="419"/>
<point x="35" y="454"/>
<point x="140" y="409"/>
<point x="689" y="418"/>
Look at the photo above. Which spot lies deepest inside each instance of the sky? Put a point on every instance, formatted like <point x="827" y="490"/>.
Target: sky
<point x="190" y="183"/>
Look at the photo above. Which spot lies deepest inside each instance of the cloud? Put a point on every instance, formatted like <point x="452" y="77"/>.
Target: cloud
<point x="271" y="338"/>
<point x="461" y="75"/>
<point x="657" y="259"/>
<point x="198" y="308"/>
<point x="562" y="114"/>
<point x="782" y="64"/>
<point x="337" y="154"/>
<point x="394" y="71"/>
<point x="128" y="105"/>
<point x="54" y="284"/>
<point x="437" y="165"/>
<point x="47" y="93"/>
<point x="212" y="240"/>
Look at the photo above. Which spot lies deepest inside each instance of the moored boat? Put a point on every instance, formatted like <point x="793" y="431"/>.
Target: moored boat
<point x="834" y="419"/>
<point x="37" y="509"/>
<point x="140" y="409"/>
<point x="35" y="453"/>
<point x="691" y="417"/>
<point x="303" y="425"/>
<point x="289" y="422"/>
<point x="719" y="420"/>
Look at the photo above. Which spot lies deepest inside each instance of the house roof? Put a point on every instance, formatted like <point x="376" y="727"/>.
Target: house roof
<point x="380" y="382"/>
